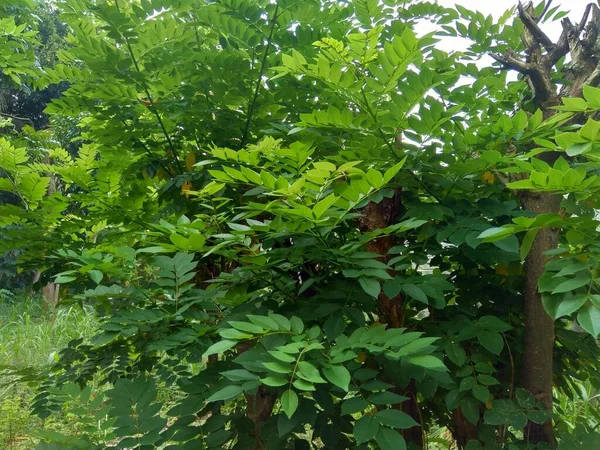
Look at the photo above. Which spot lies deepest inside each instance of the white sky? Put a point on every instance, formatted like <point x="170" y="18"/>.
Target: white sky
<point x="497" y="7"/>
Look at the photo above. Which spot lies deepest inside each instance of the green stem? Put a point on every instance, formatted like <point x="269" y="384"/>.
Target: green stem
<point x="260" y="75"/>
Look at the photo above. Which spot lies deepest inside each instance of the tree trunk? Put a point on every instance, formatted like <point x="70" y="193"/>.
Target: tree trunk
<point x="581" y="41"/>
<point x="391" y="310"/>
<point x="537" y="369"/>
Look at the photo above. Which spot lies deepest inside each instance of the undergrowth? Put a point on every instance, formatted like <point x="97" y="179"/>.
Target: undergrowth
<point x="31" y="334"/>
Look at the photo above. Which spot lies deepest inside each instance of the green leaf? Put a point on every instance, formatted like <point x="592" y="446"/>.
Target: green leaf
<point x="219" y="347"/>
<point x="196" y="242"/>
<point x="563" y="305"/>
<point x="388" y="439"/>
<point x="370" y="285"/>
<point x="396" y="419"/>
<point x="334" y="326"/>
<point x="303" y="385"/>
<point x="228" y="392"/>
<point x="278" y="367"/>
<point x="281" y="356"/>
<point x="578" y="149"/>
<point x="456" y="354"/>
<point x="264" y="322"/>
<point x="354" y="405"/>
<point x="338" y="375"/>
<point x="239" y="375"/>
<point x="392" y="171"/>
<point x="580" y="280"/>
<point x="481" y="393"/>
<point x="470" y="410"/>
<point x="321" y="208"/>
<point x="527" y="243"/>
<point x="365" y="429"/>
<point x="289" y="403"/>
<point x="493" y="234"/>
<point x="245" y="326"/>
<point x="309" y="372"/>
<point x="491" y="341"/>
<point x="415" y="292"/>
<point x="467" y="383"/>
<point x="427" y="361"/>
<point x="386" y="398"/>
<point x="502" y="412"/>
<point x="95" y="276"/>
<point x="64" y="279"/>
<point x="274" y="381"/>
<point x="297" y="325"/>
<point x="539" y="416"/>
<point x="525" y="398"/>
<point x="589" y="319"/>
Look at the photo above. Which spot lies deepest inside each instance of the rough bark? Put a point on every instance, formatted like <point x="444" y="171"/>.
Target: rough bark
<point x="392" y="310"/>
<point x="541" y="55"/>
<point x="259" y="406"/>
<point x="538" y="348"/>
<point x="463" y="431"/>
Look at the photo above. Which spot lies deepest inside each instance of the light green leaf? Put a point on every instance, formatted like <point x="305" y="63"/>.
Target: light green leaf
<point x="321" y="208"/>
<point x="226" y="393"/>
<point x="427" y="361"/>
<point x="309" y="372"/>
<point x="589" y="319"/>
<point x="219" y="347"/>
<point x="278" y="367"/>
<point x="580" y="280"/>
<point x="338" y="375"/>
<point x="289" y="403"/>
<point x="274" y="381"/>
<point x="527" y="243"/>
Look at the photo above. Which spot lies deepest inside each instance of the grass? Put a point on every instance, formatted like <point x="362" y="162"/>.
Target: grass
<point x="31" y="334"/>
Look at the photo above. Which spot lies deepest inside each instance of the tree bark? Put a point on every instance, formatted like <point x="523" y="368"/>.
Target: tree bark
<point x="538" y="346"/>
<point x="581" y="41"/>
<point x="391" y="310"/>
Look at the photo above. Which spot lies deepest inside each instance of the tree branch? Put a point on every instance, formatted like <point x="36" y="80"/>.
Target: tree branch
<point x="263" y="66"/>
<point x="531" y="24"/>
<point x="511" y="60"/>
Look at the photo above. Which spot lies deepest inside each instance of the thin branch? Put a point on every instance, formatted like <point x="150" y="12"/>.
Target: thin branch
<point x="16" y="192"/>
<point x="531" y="24"/>
<point x="152" y="105"/>
<point x="263" y="66"/>
<point x="511" y="60"/>
<point x="22" y="119"/>
<point x="584" y="19"/>
<point x="546" y="8"/>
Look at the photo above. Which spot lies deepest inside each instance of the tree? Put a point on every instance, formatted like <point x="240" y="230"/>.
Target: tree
<point x="300" y="218"/>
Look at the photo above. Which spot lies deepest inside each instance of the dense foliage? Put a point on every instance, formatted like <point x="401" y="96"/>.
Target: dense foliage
<point x="308" y="224"/>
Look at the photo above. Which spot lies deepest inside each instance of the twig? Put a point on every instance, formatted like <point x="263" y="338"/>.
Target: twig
<point x="152" y="105"/>
<point x="511" y="60"/>
<point x="260" y="75"/>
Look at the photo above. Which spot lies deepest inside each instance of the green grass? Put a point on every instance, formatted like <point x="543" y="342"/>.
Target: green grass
<point x="31" y="334"/>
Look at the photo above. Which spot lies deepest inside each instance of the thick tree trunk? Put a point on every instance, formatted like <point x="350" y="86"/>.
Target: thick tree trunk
<point x="582" y="42"/>
<point x="537" y="369"/>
